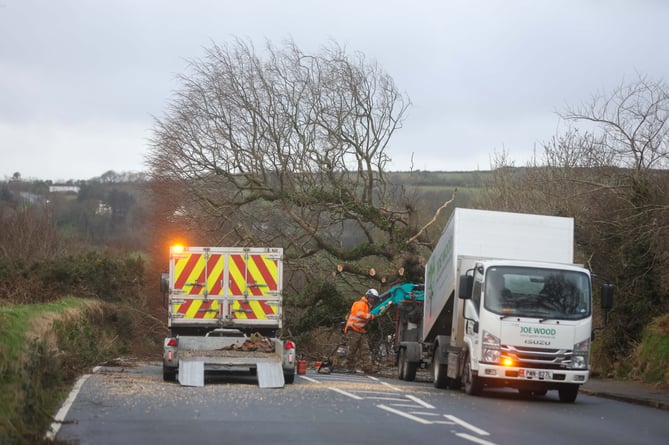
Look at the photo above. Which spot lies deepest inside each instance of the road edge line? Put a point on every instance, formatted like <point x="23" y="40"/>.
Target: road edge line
<point x="62" y="412"/>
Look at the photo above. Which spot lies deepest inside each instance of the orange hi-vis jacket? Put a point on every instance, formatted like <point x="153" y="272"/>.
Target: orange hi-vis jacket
<point x="359" y="316"/>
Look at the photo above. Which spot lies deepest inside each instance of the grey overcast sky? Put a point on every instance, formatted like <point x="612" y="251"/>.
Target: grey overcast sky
<point x="80" y="80"/>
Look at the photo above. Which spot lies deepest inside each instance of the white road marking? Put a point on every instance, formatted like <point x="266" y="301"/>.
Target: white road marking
<point x="423" y="413"/>
<point x="403" y="414"/>
<point x="474" y="439"/>
<point x="406" y="405"/>
<point x="62" y="412"/>
<point x="347" y="394"/>
<point x="389" y="399"/>
<point x="310" y="379"/>
<point x="416" y="416"/>
<point x="419" y="401"/>
<point x="393" y="387"/>
<point x="369" y="391"/>
<point x="469" y="426"/>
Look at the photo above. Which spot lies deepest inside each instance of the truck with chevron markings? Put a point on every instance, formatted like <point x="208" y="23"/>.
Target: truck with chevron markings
<point x="224" y="314"/>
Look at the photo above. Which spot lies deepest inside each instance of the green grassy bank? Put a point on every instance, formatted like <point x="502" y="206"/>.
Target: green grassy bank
<point x="44" y="347"/>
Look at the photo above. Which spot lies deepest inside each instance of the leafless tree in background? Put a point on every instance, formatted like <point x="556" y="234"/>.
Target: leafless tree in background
<point x="288" y="149"/>
<point x="30" y="233"/>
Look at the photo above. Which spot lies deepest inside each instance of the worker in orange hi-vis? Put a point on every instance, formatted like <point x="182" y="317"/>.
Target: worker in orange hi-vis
<point x="358" y="354"/>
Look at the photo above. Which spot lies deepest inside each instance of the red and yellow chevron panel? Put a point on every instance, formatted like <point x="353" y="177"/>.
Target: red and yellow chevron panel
<point x="193" y="273"/>
<point x="217" y="285"/>
<point x="258" y="275"/>
<point x="194" y="309"/>
<point x="253" y="310"/>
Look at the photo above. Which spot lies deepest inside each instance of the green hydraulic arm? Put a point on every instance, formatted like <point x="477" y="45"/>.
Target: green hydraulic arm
<point x="397" y="294"/>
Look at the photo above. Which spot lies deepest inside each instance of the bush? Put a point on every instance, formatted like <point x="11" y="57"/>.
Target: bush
<point x="652" y="355"/>
<point x="91" y="274"/>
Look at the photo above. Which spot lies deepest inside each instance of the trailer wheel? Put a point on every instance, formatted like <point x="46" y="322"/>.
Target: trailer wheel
<point x="472" y="383"/>
<point x="568" y="392"/>
<point x="401" y="364"/>
<point x="169" y="374"/>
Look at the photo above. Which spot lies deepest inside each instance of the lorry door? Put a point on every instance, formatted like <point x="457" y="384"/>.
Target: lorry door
<point x="234" y="287"/>
<point x="254" y="286"/>
<point x="196" y="277"/>
<point x="471" y="317"/>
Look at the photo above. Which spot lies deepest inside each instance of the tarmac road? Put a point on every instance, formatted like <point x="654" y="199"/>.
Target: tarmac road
<point x="131" y="404"/>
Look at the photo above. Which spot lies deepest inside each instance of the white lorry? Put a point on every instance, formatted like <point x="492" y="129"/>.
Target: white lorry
<point x="224" y="311"/>
<point x="504" y="306"/>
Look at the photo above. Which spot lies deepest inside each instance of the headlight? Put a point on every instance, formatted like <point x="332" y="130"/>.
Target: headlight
<point x="581" y="352"/>
<point x="491" y="352"/>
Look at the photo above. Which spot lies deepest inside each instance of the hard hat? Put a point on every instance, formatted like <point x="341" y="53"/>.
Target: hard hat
<point x="372" y="293"/>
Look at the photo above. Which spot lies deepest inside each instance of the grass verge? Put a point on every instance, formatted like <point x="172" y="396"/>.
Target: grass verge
<point x="44" y="347"/>
<point x="652" y="355"/>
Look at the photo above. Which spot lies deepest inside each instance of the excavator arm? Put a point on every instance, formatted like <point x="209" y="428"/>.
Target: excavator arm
<point x="397" y="294"/>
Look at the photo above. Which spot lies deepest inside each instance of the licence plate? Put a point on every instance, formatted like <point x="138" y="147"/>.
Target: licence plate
<point x="536" y="374"/>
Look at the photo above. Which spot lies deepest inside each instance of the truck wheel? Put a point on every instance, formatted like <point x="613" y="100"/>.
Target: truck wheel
<point x="289" y="378"/>
<point x="410" y="371"/>
<point x="406" y="369"/>
<point x="169" y="374"/>
<point x="568" y="392"/>
<point x="472" y="383"/>
<point x="439" y="373"/>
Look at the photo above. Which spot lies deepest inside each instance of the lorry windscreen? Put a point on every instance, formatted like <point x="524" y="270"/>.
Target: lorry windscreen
<point x="537" y="292"/>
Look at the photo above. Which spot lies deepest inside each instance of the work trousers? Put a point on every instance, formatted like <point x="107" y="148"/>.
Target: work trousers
<point x="358" y="355"/>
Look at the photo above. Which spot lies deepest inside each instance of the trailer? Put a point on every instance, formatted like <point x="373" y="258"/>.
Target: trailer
<point x="224" y="314"/>
<point x="504" y="306"/>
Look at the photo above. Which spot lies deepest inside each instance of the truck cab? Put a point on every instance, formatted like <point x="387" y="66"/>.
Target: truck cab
<point x="527" y="326"/>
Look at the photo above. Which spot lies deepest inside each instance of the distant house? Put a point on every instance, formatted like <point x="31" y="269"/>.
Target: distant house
<point x="103" y="208"/>
<point x="64" y="189"/>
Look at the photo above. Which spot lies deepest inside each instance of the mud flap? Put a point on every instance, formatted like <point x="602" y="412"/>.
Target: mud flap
<point x="270" y="375"/>
<point x="191" y="372"/>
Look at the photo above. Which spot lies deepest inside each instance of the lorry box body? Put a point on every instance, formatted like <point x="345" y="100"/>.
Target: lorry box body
<point x="223" y="302"/>
<point x="225" y="287"/>
<point x="475" y="235"/>
<point x="504" y="305"/>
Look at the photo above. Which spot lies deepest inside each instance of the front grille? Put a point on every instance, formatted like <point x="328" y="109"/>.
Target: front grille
<point x="539" y="357"/>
